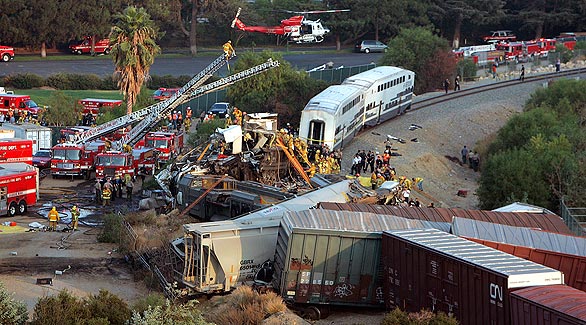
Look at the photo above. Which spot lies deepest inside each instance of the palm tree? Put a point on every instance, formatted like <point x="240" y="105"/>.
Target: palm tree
<point x="133" y="51"/>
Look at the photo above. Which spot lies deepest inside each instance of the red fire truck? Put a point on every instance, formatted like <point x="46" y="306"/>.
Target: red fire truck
<point x="19" y="183"/>
<point x="85" y="46"/>
<point x="168" y="144"/>
<point x="164" y="93"/>
<point x="117" y="163"/>
<point x="75" y="160"/>
<point x="16" y="151"/>
<point x="94" y="105"/>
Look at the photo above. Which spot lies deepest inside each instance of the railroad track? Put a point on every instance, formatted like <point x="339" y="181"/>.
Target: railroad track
<point x="492" y="86"/>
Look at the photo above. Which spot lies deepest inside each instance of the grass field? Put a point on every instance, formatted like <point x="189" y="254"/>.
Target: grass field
<point x="41" y="96"/>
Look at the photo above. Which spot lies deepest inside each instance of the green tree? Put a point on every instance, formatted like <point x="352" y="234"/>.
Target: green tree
<point x="62" y="110"/>
<point x="541" y="16"/>
<point x="12" y="312"/>
<point x="283" y="90"/>
<point x="539" y="155"/>
<point x="424" y="53"/>
<point x="133" y="51"/>
<point x="456" y="12"/>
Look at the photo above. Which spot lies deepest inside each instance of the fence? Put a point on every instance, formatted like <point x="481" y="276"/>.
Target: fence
<point x="575" y="218"/>
<point x="338" y="75"/>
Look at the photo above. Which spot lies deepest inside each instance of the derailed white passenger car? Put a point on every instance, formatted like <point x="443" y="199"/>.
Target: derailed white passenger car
<point x="334" y="116"/>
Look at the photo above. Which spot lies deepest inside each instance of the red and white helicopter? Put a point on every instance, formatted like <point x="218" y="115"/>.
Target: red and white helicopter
<point x="297" y="29"/>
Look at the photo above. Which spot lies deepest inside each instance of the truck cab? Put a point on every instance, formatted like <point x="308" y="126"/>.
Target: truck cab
<point x="70" y="159"/>
<point x="168" y="144"/>
<point x="110" y="164"/>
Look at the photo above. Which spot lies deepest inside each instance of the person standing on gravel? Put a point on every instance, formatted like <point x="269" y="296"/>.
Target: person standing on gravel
<point x="522" y="77"/>
<point x="446" y="85"/>
<point x="457" y="83"/>
<point x="53" y="217"/>
<point x="74" y="217"/>
<point x="464" y="153"/>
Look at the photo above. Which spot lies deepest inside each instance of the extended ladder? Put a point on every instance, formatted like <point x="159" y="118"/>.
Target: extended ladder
<point x="153" y="110"/>
<point x="150" y="121"/>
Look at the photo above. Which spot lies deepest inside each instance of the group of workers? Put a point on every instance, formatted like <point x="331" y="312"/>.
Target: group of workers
<point x="107" y="190"/>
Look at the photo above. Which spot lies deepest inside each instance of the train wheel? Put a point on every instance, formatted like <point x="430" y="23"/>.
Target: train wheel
<point x="22" y="207"/>
<point x="312" y="313"/>
<point x="12" y="209"/>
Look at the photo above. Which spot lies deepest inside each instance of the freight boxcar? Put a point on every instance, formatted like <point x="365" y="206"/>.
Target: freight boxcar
<point x="332" y="258"/>
<point x="218" y="256"/>
<point x="555" y="305"/>
<point x="438" y="271"/>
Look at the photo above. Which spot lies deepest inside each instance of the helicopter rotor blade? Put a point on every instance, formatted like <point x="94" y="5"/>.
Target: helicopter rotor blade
<point x="236" y="17"/>
<point x="317" y="11"/>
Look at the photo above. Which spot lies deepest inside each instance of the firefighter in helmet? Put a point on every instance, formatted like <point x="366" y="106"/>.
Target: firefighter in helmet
<point x="74" y="217"/>
<point x="229" y="50"/>
<point x="53" y="217"/>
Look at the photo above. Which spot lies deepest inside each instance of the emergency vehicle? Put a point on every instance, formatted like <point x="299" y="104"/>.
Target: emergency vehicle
<point x="101" y="46"/>
<point x="94" y="105"/>
<point x="19" y="183"/>
<point x="16" y="151"/>
<point x="6" y="53"/>
<point x="114" y="163"/>
<point x="18" y="104"/>
<point x="70" y="159"/>
<point x="118" y="163"/>
<point x="68" y="132"/>
<point x="168" y="144"/>
<point x="164" y="93"/>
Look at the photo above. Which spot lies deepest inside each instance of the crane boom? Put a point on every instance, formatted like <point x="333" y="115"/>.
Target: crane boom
<point x="152" y="110"/>
<point x="144" y="126"/>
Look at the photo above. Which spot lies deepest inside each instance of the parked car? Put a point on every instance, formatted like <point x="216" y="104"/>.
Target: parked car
<point x="368" y="46"/>
<point x="500" y="36"/>
<point x="42" y="158"/>
<point x="220" y="109"/>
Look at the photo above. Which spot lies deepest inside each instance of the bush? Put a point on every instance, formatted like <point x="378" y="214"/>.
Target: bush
<point x="167" y="81"/>
<point x="59" y="81"/>
<point x="23" y="81"/>
<point x="467" y="69"/>
<point x="152" y="300"/>
<point x="424" y="317"/>
<point x="169" y="314"/>
<point x="86" y="81"/>
<point x="12" y="312"/>
<point x="65" y="308"/>
<point x="112" y="229"/>
<point x="563" y="53"/>
<point x="246" y="306"/>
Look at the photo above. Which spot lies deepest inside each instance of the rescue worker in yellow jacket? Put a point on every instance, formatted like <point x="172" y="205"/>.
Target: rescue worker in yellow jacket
<point x="53" y="217"/>
<point x="106" y="196"/>
<point x="419" y="182"/>
<point x="74" y="217"/>
<point x="229" y="50"/>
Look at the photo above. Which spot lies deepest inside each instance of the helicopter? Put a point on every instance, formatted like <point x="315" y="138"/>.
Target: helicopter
<point x="297" y="29"/>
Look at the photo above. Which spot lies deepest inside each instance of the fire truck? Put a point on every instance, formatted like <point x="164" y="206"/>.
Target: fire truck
<point x="19" y="183"/>
<point x="168" y="144"/>
<point x="94" y="105"/>
<point x="118" y="163"/>
<point x="114" y="163"/>
<point x="16" y="151"/>
<point x="85" y="46"/>
<point x="6" y="53"/>
<point x="70" y="159"/>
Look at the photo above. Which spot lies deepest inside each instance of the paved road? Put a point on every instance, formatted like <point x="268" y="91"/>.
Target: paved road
<point x="176" y="66"/>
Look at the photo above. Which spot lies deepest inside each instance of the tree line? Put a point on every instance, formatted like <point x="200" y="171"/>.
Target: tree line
<point x="38" y="25"/>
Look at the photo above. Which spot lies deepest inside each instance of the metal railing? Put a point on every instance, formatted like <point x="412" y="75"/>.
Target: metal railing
<point x="575" y="218"/>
